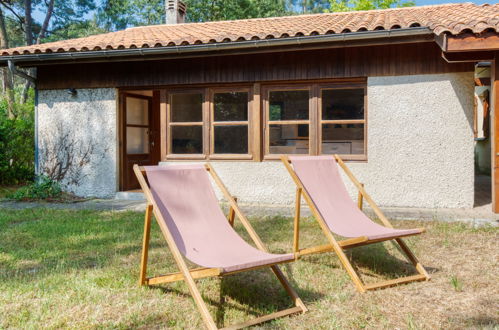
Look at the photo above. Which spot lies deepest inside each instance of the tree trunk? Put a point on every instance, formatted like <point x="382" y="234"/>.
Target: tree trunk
<point x="46" y="22"/>
<point x="8" y="89"/>
<point x="28" y="23"/>
<point x="28" y="36"/>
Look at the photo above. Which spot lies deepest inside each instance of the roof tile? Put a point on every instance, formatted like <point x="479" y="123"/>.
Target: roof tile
<point x="448" y="18"/>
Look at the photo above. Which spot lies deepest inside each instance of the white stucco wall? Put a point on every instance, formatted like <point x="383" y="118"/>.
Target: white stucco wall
<point x="81" y="124"/>
<point x="420" y="148"/>
<point x="420" y="144"/>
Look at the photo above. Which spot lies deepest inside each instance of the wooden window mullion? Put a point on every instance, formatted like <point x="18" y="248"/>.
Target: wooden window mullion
<point x="207" y="120"/>
<point x="314" y="131"/>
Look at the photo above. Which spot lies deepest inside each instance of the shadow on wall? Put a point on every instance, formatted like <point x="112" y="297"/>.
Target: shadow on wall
<point x="64" y="156"/>
<point x="54" y="98"/>
<point x="77" y="140"/>
<point x="465" y="95"/>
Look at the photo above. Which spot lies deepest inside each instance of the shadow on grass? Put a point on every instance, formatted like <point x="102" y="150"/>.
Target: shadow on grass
<point x="380" y="261"/>
<point x="37" y="243"/>
<point x="376" y="259"/>
<point x="255" y="293"/>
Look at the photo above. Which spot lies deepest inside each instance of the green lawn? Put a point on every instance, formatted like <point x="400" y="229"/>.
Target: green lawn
<point x="79" y="269"/>
<point x="6" y="190"/>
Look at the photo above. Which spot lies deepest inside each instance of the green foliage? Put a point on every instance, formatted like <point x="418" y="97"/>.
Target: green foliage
<point x="65" y="13"/>
<point x="311" y="6"/>
<point x="42" y="188"/>
<point x="76" y="30"/>
<point x="218" y="10"/>
<point x="120" y="14"/>
<point x="351" y="5"/>
<point x="17" y="142"/>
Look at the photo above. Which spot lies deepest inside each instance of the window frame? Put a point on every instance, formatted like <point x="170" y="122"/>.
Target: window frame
<point x="321" y="121"/>
<point x="258" y="122"/>
<point x="266" y="90"/>
<point x="213" y="123"/>
<point x="208" y="124"/>
<point x="315" y="120"/>
<point x="169" y="124"/>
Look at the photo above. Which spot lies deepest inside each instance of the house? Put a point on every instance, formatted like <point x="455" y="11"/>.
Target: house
<point x="392" y="91"/>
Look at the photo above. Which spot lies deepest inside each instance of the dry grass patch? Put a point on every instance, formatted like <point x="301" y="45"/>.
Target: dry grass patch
<point x="79" y="269"/>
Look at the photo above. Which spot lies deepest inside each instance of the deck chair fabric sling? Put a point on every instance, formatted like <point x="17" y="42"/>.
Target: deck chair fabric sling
<point x="187" y="210"/>
<point x="318" y="180"/>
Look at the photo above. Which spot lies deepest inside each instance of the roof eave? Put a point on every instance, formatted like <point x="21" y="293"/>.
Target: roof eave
<point x="214" y="47"/>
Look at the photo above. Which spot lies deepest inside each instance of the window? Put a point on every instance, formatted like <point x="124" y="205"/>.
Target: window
<point x="186" y="123"/>
<point x="288" y="125"/>
<point x="209" y="123"/>
<point x="315" y="119"/>
<point x="297" y="118"/>
<point x="230" y="122"/>
<point x="342" y="121"/>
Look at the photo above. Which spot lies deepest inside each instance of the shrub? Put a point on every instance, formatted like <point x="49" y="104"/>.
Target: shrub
<point x="42" y="188"/>
<point x="17" y="142"/>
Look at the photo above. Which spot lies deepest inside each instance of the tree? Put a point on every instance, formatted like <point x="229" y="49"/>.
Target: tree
<point x="21" y="11"/>
<point x="218" y="10"/>
<point x="311" y="6"/>
<point x="351" y="5"/>
<point x="121" y="14"/>
<point x="8" y="88"/>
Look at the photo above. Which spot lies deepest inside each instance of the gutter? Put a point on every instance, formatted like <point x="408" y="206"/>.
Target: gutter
<point x="250" y="44"/>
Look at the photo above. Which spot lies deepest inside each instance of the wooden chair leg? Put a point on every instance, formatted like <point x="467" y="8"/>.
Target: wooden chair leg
<point x="419" y="267"/>
<point x="291" y="292"/>
<point x="296" y="236"/>
<point x="349" y="268"/>
<point x="360" y="198"/>
<point x="232" y="214"/>
<point x="145" y="245"/>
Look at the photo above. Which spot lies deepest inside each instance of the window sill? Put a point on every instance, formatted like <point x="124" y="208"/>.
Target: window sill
<point x="235" y="157"/>
<point x="346" y="158"/>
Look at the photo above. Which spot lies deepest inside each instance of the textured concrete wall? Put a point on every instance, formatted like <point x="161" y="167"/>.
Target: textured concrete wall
<point x="420" y="144"/>
<point x="78" y="139"/>
<point x="420" y="148"/>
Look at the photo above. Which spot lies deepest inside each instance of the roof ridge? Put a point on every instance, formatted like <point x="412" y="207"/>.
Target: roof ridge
<point x="339" y="13"/>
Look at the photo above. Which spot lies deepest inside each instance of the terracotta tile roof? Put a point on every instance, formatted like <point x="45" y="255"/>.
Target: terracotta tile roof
<point x="448" y="18"/>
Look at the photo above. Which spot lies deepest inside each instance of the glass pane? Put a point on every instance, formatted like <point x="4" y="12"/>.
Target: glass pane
<point x="137" y="111"/>
<point x="137" y="140"/>
<point x="232" y="106"/>
<point x="187" y="107"/>
<point x="288" y="139"/>
<point x="187" y="139"/>
<point x="343" y="104"/>
<point x="231" y="139"/>
<point x="345" y="139"/>
<point x="288" y="105"/>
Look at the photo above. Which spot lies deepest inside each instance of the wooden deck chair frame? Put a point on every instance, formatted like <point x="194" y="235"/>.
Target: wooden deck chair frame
<point x="188" y="275"/>
<point x="339" y="246"/>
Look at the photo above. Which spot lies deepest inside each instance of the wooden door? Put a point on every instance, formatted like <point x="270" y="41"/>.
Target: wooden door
<point x="139" y="138"/>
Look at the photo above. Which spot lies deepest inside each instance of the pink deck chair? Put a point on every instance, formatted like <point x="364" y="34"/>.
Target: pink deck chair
<point x="318" y="180"/>
<point x="183" y="201"/>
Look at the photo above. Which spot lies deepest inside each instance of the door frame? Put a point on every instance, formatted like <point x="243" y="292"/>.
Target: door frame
<point x="154" y="124"/>
<point x="494" y="102"/>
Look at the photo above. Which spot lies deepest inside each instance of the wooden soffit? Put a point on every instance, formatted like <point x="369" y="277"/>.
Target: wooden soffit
<point x="468" y="42"/>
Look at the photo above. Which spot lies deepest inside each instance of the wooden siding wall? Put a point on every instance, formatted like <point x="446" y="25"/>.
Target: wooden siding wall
<point x="389" y="60"/>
